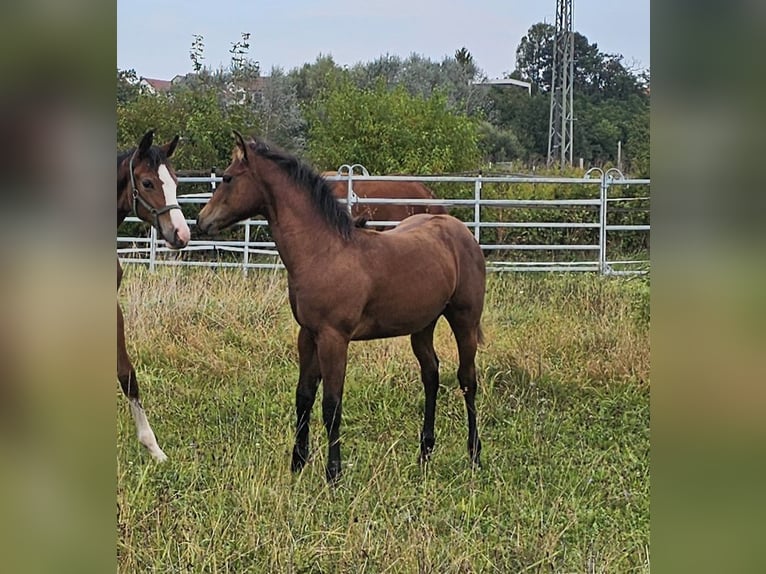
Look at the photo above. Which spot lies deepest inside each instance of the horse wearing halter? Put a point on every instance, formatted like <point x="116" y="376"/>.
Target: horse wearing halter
<point x="155" y="213"/>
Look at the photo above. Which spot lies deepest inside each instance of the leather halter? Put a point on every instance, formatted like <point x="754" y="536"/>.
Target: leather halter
<point x="155" y="213"/>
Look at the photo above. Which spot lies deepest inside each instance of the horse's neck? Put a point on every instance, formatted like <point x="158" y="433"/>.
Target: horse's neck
<point x="124" y="206"/>
<point x="300" y="230"/>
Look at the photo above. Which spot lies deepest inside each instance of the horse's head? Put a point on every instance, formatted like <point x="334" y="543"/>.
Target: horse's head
<point x="153" y="184"/>
<point x="239" y="196"/>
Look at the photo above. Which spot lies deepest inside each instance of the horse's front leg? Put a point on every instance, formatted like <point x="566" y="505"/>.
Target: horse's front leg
<point x="127" y="377"/>
<point x="332" y="351"/>
<point x="305" y="393"/>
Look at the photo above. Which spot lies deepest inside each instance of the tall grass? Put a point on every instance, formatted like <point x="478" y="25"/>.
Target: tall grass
<point x="563" y="416"/>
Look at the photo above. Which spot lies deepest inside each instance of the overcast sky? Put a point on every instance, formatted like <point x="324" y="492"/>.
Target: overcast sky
<point x="154" y="36"/>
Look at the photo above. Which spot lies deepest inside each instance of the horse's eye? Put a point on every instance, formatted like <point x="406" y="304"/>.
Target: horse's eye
<point x="147" y="183"/>
<point x="226" y="178"/>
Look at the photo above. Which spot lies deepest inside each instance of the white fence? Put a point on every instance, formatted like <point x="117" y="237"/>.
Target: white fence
<point x="602" y="194"/>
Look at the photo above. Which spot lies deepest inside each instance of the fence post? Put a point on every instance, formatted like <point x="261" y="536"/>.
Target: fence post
<point x="152" y="247"/>
<point x="606" y="179"/>
<point x="350" y="193"/>
<point x="246" y="250"/>
<point x="602" y="226"/>
<point x="477" y="209"/>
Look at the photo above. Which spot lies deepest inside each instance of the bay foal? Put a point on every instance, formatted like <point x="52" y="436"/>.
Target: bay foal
<point x="348" y="283"/>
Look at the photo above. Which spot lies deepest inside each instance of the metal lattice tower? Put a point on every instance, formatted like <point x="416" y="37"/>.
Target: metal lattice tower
<point x="561" y="118"/>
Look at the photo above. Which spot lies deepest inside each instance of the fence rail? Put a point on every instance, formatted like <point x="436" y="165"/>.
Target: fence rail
<point x="254" y="253"/>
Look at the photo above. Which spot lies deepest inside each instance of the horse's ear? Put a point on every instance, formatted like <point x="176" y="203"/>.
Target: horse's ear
<point x="146" y="143"/>
<point x="169" y="148"/>
<point x="240" y="141"/>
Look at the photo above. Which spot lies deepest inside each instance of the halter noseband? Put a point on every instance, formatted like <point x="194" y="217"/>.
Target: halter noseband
<point x="155" y="213"/>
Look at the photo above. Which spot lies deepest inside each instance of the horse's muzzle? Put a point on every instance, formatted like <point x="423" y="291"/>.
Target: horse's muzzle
<point x="205" y="226"/>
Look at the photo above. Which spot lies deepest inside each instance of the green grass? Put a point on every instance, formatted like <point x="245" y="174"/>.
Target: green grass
<point x="563" y="416"/>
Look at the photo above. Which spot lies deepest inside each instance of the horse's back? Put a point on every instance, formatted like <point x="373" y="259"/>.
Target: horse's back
<point x="451" y="228"/>
<point x="445" y="236"/>
<point x="397" y="190"/>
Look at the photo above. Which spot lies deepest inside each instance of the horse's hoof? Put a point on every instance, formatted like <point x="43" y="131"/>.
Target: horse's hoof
<point x="332" y="473"/>
<point x="426" y="448"/>
<point x="298" y="462"/>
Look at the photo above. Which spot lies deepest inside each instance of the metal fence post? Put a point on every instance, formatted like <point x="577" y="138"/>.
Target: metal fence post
<point x="350" y="193"/>
<point x="152" y="247"/>
<point x="602" y="226"/>
<point x="246" y="250"/>
<point x="606" y="179"/>
<point x="477" y="209"/>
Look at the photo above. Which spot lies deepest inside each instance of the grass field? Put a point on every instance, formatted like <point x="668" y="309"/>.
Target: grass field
<point x="563" y="416"/>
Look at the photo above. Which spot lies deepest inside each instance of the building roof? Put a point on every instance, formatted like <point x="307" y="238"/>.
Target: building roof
<point x="158" y="85"/>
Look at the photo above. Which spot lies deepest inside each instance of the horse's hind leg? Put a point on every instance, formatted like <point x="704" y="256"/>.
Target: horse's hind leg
<point x="423" y="346"/>
<point x="127" y="377"/>
<point x="305" y="393"/>
<point x="467" y="335"/>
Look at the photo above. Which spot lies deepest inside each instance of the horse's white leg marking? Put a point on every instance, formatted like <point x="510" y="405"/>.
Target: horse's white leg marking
<point x="144" y="431"/>
<point x="169" y="189"/>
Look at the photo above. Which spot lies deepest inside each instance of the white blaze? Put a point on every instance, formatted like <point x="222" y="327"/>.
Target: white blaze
<point x="169" y="189"/>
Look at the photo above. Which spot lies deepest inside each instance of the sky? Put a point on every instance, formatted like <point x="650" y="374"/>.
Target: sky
<point x="154" y="37"/>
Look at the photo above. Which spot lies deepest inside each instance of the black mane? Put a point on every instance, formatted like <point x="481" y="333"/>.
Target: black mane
<point x="307" y="178"/>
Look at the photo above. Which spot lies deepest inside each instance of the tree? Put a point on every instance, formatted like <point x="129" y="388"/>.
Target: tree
<point x="422" y="77"/>
<point x="611" y="102"/>
<point x="534" y="56"/>
<point x="390" y="131"/>
<point x="464" y="58"/>
<point x="595" y="74"/>
<point x="312" y="80"/>
<point x="242" y="67"/>
<point x="280" y="116"/>
<point x="128" y="88"/>
<point x="195" y="115"/>
<point x="498" y="144"/>
<point x="197" y="52"/>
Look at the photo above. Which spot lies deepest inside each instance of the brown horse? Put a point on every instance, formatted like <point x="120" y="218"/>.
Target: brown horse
<point x="398" y="190"/>
<point x="146" y="186"/>
<point x="348" y="283"/>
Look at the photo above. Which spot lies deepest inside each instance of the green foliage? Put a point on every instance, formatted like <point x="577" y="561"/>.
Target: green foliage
<point x="194" y="114"/>
<point x="639" y="292"/>
<point x="422" y="77"/>
<point x="128" y="89"/>
<point x="202" y="107"/>
<point x="280" y="116"/>
<point x="620" y="245"/>
<point x="394" y="114"/>
<point x="611" y="103"/>
<point x="534" y="56"/>
<point x="389" y="131"/>
<point x="498" y="144"/>
<point x="197" y="52"/>
<point x="241" y="64"/>
<point x="313" y="80"/>
<point x="523" y="114"/>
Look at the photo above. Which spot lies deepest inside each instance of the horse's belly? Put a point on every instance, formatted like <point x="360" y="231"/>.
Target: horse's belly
<point x="395" y="320"/>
